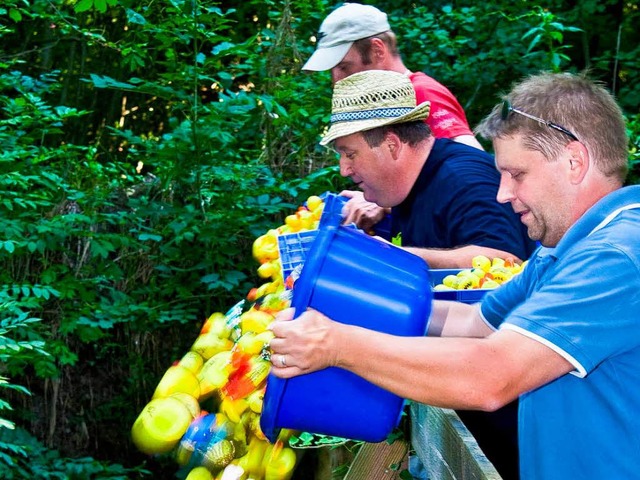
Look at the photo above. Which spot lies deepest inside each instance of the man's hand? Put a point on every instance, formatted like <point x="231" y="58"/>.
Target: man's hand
<point x="302" y="345"/>
<point x="357" y="210"/>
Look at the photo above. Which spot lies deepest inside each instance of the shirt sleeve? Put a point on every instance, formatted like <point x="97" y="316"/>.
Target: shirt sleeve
<point x="446" y="116"/>
<point x="582" y="306"/>
<point x="499" y="303"/>
<point x="472" y="216"/>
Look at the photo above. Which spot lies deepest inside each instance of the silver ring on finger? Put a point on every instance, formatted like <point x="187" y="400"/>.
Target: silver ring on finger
<point x="283" y="361"/>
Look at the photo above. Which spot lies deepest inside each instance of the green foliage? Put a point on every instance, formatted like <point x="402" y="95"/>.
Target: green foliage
<point x="16" y="338"/>
<point x="146" y="144"/>
<point x="99" y="5"/>
<point x="18" y="346"/>
<point x="633" y="128"/>
<point x="512" y="43"/>
<point x="124" y="223"/>
<point x="23" y="456"/>
<point x="547" y="39"/>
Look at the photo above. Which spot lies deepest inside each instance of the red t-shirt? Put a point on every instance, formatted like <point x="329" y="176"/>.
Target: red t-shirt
<point x="446" y="116"/>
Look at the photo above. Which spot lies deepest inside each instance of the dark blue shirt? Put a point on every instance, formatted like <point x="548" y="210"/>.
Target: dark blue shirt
<point x="453" y="204"/>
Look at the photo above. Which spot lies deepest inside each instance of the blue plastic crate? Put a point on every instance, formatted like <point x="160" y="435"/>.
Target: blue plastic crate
<point x="293" y="248"/>
<point x="465" y="296"/>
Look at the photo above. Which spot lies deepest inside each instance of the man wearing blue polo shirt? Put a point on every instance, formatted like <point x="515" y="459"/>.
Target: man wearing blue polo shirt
<point x="564" y="335"/>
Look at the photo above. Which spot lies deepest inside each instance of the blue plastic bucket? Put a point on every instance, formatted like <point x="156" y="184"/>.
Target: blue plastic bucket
<point x="358" y="280"/>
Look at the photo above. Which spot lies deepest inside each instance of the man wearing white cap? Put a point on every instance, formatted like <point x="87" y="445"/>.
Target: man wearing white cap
<point x="357" y="37"/>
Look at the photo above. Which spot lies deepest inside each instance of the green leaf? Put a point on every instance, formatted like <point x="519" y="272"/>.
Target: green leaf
<point x="134" y="17"/>
<point x="234" y="277"/>
<point x="211" y="278"/>
<point x="148" y="236"/>
<point x="102" y="324"/>
<point x="103" y="81"/>
<point x="101" y="248"/>
<point x="557" y="36"/>
<point x="100" y="5"/>
<point x="530" y="32"/>
<point x="7" y="424"/>
<point x="534" y="42"/>
<point x="222" y="47"/>
<point x="83" y="6"/>
<point x="15" y="15"/>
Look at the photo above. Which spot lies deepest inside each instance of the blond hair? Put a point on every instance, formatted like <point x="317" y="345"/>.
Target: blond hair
<point x="582" y="106"/>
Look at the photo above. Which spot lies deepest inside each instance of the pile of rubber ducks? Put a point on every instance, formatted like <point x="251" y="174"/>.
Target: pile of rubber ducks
<point x="485" y="273"/>
<point x="206" y="408"/>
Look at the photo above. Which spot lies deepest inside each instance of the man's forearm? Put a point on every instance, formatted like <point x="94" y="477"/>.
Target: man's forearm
<point x="460" y="257"/>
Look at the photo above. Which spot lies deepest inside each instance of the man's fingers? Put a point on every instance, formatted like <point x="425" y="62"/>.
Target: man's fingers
<point x="285" y="315"/>
<point x="349" y="193"/>
<point x="288" y="372"/>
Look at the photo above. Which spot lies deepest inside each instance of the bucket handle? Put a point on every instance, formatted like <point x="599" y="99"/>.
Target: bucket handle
<point x="329" y="224"/>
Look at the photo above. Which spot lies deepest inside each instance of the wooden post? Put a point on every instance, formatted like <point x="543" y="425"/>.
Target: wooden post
<point x="379" y="461"/>
<point x="445" y="446"/>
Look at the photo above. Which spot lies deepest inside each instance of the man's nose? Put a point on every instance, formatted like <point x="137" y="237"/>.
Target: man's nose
<point x="505" y="191"/>
<point x="346" y="169"/>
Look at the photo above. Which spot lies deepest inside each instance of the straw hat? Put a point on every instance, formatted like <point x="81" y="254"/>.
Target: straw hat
<point x="371" y="99"/>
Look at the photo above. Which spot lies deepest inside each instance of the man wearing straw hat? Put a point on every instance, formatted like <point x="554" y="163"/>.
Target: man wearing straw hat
<point x="442" y="196"/>
<point x="442" y="193"/>
<point x="564" y="334"/>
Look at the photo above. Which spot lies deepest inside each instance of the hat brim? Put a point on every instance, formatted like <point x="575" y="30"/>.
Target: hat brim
<point x="342" y="129"/>
<point x="327" y="57"/>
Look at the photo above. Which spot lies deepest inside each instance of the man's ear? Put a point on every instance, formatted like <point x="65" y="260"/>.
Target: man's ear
<point x="378" y="51"/>
<point x="579" y="161"/>
<point x="393" y="144"/>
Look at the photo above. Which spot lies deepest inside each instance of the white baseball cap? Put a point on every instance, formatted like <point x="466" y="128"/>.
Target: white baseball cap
<point x="342" y="27"/>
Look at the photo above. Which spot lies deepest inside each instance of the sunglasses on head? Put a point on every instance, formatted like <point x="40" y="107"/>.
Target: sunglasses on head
<point x="507" y="108"/>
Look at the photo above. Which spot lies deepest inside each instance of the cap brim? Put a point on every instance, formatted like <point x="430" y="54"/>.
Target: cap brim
<point x="326" y="58"/>
<point x="342" y="129"/>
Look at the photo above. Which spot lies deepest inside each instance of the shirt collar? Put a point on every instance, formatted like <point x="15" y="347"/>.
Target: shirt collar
<point x="600" y="214"/>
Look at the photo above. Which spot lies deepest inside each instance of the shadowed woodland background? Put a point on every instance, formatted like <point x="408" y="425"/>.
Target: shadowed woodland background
<point x="145" y="145"/>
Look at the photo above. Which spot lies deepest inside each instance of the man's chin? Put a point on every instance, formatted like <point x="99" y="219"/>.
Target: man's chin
<point x="368" y="196"/>
<point x="535" y="235"/>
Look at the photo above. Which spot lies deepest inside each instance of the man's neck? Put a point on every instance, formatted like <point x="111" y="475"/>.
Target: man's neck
<point x="396" y="65"/>
<point x="418" y="157"/>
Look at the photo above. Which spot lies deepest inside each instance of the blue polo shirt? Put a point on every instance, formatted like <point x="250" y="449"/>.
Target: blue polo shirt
<point x="453" y="204"/>
<point x="582" y="299"/>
